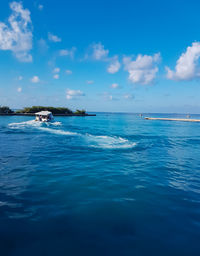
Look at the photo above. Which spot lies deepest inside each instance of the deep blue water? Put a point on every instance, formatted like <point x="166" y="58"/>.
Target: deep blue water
<point x="114" y="184"/>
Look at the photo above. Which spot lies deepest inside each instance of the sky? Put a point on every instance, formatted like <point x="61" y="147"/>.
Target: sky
<point x="101" y="55"/>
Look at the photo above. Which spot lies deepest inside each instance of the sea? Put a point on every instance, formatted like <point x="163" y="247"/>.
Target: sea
<point x="110" y="184"/>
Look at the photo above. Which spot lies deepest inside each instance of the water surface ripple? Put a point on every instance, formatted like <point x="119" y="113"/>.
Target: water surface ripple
<point x="114" y="184"/>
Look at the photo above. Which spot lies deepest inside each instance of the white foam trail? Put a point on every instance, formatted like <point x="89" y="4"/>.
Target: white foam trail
<point x="59" y="132"/>
<point x="39" y="125"/>
<point x="32" y="123"/>
<point x="107" y="142"/>
<point x="53" y="124"/>
<point x="110" y="142"/>
<point x="24" y="124"/>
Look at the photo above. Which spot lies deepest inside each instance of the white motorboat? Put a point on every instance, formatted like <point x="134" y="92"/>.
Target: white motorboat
<point x="44" y="116"/>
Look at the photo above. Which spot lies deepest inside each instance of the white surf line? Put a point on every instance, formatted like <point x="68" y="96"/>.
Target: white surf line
<point x="54" y="131"/>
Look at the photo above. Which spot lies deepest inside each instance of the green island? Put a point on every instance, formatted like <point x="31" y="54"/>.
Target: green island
<point x="57" y="111"/>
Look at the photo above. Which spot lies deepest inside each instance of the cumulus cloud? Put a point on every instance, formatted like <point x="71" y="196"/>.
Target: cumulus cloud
<point x="68" y="72"/>
<point x="114" y="65"/>
<point x="143" y="69"/>
<point x="97" y="52"/>
<point x="115" y="85"/>
<point x="69" y="53"/>
<point x="35" y="79"/>
<point x="19" y="89"/>
<point x="16" y="36"/>
<point x="56" y="76"/>
<point x="73" y="94"/>
<point x="187" y="66"/>
<point x="54" y="38"/>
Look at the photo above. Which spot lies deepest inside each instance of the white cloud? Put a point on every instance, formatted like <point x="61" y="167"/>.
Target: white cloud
<point x="128" y="96"/>
<point x="68" y="72"/>
<point x="35" y="79"/>
<point x="89" y="81"/>
<point x="19" y="89"/>
<point x="114" y="65"/>
<point x="71" y="94"/>
<point x="56" y="76"/>
<point x="187" y="66"/>
<point x="69" y="53"/>
<point x="56" y="70"/>
<point x="97" y="52"/>
<point x="54" y="38"/>
<point x="142" y="70"/>
<point x="17" y="35"/>
<point x="40" y="7"/>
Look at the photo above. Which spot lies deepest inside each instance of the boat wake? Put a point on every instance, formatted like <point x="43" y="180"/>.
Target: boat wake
<point x="109" y="142"/>
<point x="93" y="141"/>
<point x="32" y="123"/>
<point x="21" y="125"/>
<point x="59" y="132"/>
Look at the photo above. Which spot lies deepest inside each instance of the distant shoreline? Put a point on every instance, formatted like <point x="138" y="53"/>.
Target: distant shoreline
<point x="33" y="114"/>
<point x="31" y="111"/>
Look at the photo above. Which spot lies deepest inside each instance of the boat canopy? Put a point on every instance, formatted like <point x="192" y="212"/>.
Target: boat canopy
<point x="43" y="113"/>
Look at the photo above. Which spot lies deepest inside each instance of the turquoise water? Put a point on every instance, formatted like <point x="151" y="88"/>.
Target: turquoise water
<point x="114" y="184"/>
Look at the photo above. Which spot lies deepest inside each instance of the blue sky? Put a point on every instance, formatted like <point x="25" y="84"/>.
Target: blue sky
<point x="127" y="56"/>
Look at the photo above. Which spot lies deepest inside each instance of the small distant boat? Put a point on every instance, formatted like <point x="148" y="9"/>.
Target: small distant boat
<point x="44" y="116"/>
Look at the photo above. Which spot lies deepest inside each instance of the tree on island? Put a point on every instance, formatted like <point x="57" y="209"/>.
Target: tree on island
<point x="53" y="110"/>
<point x="35" y="109"/>
<point x="5" y="110"/>
<point x="80" y="112"/>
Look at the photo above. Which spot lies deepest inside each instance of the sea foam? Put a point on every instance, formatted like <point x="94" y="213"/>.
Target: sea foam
<point x="54" y="131"/>
<point x="109" y="142"/>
